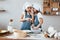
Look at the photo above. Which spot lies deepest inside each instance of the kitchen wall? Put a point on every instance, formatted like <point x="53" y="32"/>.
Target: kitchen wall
<point x="14" y="10"/>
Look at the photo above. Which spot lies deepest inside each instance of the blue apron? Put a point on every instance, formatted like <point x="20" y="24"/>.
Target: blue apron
<point x="36" y="21"/>
<point x="26" y="24"/>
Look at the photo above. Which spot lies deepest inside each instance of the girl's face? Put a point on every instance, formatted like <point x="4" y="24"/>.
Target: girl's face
<point x="28" y="9"/>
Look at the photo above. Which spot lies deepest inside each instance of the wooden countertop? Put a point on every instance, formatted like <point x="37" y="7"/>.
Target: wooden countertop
<point x="11" y="36"/>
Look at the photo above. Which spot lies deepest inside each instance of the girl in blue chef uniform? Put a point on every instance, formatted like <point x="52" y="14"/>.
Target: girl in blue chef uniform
<point x="38" y="19"/>
<point x="26" y="18"/>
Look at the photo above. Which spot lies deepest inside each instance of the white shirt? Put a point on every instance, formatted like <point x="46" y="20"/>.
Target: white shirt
<point x="39" y="15"/>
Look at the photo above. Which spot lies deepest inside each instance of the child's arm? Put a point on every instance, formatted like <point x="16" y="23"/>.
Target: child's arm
<point x="40" y="22"/>
<point x="32" y="18"/>
<point x="40" y="19"/>
<point x="32" y="14"/>
<point x="22" y="18"/>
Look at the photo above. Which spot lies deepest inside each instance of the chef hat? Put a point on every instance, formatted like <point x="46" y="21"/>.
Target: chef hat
<point x="36" y="6"/>
<point x="27" y="4"/>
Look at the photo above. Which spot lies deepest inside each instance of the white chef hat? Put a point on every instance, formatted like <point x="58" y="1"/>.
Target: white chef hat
<point x="27" y="4"/>
<point x="36" y="6"/>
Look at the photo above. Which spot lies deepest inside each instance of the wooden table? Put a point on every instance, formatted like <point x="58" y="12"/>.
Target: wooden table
<point x="11" y="36"/>
<point x="26" y="39"/>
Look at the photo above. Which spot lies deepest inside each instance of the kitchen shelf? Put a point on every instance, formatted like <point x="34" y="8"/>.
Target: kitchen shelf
<point x="49" y="4"/>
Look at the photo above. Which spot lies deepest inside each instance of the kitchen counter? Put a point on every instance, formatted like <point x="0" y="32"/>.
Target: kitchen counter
<point x="29" y="37"/>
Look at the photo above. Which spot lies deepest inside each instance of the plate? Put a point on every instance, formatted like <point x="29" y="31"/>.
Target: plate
<point x="3" y="31"/>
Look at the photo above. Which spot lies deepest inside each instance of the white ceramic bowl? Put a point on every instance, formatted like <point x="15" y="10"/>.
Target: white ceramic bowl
<point x="36" y="31"/>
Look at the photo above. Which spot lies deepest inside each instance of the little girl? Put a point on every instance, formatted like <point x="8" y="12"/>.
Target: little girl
<point x="26" y="18"/>
<point x="38" y="19"/>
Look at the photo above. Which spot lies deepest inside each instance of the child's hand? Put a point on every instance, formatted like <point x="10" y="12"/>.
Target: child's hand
<point x="28" y="19"/>
<point x="35" y="28"/>
<point x="32" y="26"/>
<point x="32" y="12"/>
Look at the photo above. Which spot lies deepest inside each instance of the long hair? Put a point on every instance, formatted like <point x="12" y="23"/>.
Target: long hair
<point x="40" y="11"/>
<point x="25" y="11"/>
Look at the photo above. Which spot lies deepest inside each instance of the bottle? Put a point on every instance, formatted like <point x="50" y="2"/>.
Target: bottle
<point x="10" y="27"/>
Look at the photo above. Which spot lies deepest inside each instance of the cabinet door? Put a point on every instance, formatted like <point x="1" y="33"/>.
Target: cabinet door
<point x="55" y="5"/>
